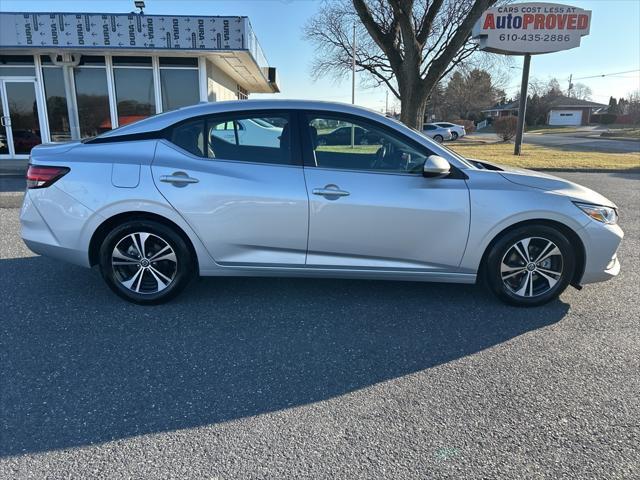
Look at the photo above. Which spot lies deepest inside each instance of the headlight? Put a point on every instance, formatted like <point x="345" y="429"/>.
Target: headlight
<point x="599" y="213"/>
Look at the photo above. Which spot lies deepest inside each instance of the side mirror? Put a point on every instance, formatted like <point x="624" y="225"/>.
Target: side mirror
<point x="436" y="167"/>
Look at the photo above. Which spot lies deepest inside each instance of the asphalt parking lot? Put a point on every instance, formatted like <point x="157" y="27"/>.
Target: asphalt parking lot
<point x="280" y="378"/>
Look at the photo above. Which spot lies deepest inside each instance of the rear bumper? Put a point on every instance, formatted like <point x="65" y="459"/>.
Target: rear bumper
<point x="601" y="244"/>
<point x="59" y="235"/>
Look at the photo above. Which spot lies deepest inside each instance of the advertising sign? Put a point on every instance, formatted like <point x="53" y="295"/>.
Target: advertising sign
<point x="114" y="31"/>
<point x="532" y="28"/>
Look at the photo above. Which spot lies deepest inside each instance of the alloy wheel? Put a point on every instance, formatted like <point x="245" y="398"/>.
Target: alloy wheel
<point x="144" y="263"/>
<point x="531" y="267"/>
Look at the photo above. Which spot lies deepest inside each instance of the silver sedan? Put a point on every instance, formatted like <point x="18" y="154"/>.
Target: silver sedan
<point x="157" y="202"/>
<point x="436" y="132"/>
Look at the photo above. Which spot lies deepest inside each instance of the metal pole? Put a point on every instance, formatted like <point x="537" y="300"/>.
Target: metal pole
<point x="570" y="85"/>
<point x="353" y="67"/>
<point x="522" y="109"/>
<point x="72" y="103"/>
<point x="353" y="83"/>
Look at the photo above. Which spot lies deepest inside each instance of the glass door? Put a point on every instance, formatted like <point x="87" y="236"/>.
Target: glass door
<point x="4" y="142"/>
<point x="20" y="125"/>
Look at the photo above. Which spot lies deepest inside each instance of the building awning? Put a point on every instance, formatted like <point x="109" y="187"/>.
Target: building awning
<point x="228" y="42"/>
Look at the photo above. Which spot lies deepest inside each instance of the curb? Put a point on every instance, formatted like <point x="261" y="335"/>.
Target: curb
<point x="619" y="139"/>
<point x="11" y="199"/>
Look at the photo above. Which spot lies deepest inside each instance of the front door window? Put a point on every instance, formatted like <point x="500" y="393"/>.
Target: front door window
<point x="342" y="143"/>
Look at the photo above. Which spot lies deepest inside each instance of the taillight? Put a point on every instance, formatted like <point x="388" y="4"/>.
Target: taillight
<point x="41" y="177"/>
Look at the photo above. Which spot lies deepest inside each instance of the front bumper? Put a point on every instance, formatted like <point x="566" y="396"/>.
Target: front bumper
<point x="601" y="244"/>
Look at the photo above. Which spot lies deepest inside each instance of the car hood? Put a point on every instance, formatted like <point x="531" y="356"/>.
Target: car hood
<point x="549" y="183"/>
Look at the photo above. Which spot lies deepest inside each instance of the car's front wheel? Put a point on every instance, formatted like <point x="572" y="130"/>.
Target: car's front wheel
<point x="438" y="138"/>
<point x="454" y="136"/>
<point x="145" y="262"/>
<point x="530" y="265"/>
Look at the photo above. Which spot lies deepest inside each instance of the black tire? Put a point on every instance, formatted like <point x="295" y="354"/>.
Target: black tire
<point x="503" y="263"/>
<point x="454" y="136"/>
<point x="116" y="270"/>
<point x="438" y="138"/>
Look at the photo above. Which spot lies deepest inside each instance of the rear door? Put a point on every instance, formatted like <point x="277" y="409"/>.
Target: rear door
<point x="245" y="198"/>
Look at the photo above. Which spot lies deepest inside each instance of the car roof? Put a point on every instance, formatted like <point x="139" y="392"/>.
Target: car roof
<point x="164" y="120"/>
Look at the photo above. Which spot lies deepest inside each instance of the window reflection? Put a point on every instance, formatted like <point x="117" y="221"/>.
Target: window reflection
<point x="57" y="112"/>
<point x="93" y="100"/>
<point x="17" y="65"/>
<point x="179" y="88"/>
<point x="134" y="94"/>
<point x="23" y="111"/>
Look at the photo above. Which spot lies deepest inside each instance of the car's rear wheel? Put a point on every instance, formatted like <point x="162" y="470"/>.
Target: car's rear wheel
<point x="454" y="136"/>
<point x="438" y="138"/>
<point x="145" y="262"/>
<point x="530" y="265"/>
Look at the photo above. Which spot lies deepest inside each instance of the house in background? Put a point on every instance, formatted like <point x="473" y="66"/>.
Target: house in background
<point x="571" y="111"/>
<point x="503" y="110"/>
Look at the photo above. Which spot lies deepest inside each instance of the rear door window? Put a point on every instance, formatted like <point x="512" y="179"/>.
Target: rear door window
<point x="256" y="139"/>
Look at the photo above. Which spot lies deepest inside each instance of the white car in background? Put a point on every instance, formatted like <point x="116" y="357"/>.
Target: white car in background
<point x="457" y="131"/>
<point x="438" y="133"/>
<point x="255" y="131"/>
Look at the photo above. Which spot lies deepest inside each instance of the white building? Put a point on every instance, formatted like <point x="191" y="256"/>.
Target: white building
<point x="73" y="75"/>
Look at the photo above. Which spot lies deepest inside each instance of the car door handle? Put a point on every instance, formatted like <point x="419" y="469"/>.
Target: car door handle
<point x="330" y="191"/>
<point x="178" y="178"/>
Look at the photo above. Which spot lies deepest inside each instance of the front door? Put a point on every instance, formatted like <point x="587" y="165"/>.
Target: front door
<point x="19" y="123"/>
<point x="244" y="197"/>
<point x="370" y="206"/>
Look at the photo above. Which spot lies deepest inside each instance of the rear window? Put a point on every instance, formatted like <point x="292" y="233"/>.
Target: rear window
<point x="238" y="137"/>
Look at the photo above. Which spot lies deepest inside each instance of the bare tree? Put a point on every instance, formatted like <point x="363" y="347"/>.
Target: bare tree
<point x="581" y="91"/>
<point x="406" y="45"/>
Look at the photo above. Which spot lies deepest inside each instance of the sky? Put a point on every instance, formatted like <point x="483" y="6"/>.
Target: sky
<point x="613" y="45"/>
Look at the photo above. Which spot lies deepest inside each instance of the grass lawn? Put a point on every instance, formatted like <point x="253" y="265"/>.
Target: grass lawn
<point x="365" y="149"/>
<point x="535" y="156"/>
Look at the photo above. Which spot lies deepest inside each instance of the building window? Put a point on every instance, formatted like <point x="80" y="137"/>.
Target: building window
<point x="242" y="93"/>
<point x="17" y="66"/>
<point x="56" y="100"/>
<point x="135" y="97"/>
<point x="92" y="96"/>
<point x="179" y="82"/>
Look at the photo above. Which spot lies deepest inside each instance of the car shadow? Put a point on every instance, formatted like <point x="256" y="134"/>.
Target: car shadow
<point x="79" y="366"/>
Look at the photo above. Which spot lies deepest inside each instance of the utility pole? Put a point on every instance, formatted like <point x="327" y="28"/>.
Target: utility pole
<point x="522" y="109"/>
<point x="570" y="85"/>
<point x="353" y="83"/>
<point x="386" y="103"/>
